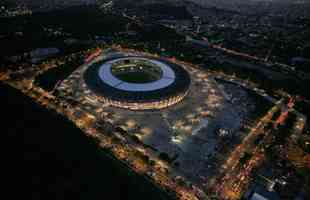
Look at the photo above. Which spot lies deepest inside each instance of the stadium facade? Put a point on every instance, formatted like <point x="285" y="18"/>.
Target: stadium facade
<point x="138" y="83"/>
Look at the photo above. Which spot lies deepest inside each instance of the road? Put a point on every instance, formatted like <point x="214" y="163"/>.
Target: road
<point x="235" y="177"/>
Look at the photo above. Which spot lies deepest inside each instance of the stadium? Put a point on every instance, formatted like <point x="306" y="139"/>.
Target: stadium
<point x="138" y="83"/>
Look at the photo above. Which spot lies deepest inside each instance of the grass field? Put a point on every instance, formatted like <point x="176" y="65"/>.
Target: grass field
<point x="137" y="77"/>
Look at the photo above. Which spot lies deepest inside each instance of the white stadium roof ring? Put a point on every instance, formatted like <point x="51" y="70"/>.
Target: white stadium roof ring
<point x="167" y="77"/>
<point x="160" y="85"/>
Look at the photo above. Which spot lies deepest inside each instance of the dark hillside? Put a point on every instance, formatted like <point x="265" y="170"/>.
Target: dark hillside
<point x="47" y="157"/>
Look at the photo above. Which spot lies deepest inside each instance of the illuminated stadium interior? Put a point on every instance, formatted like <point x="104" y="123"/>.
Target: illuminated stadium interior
<point x="136" y="71"/>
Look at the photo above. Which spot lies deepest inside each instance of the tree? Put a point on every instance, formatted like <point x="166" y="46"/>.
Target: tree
<point x="164" y="156"/>
<point x="245" y="158"/>
<point x="152" y="162"/>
